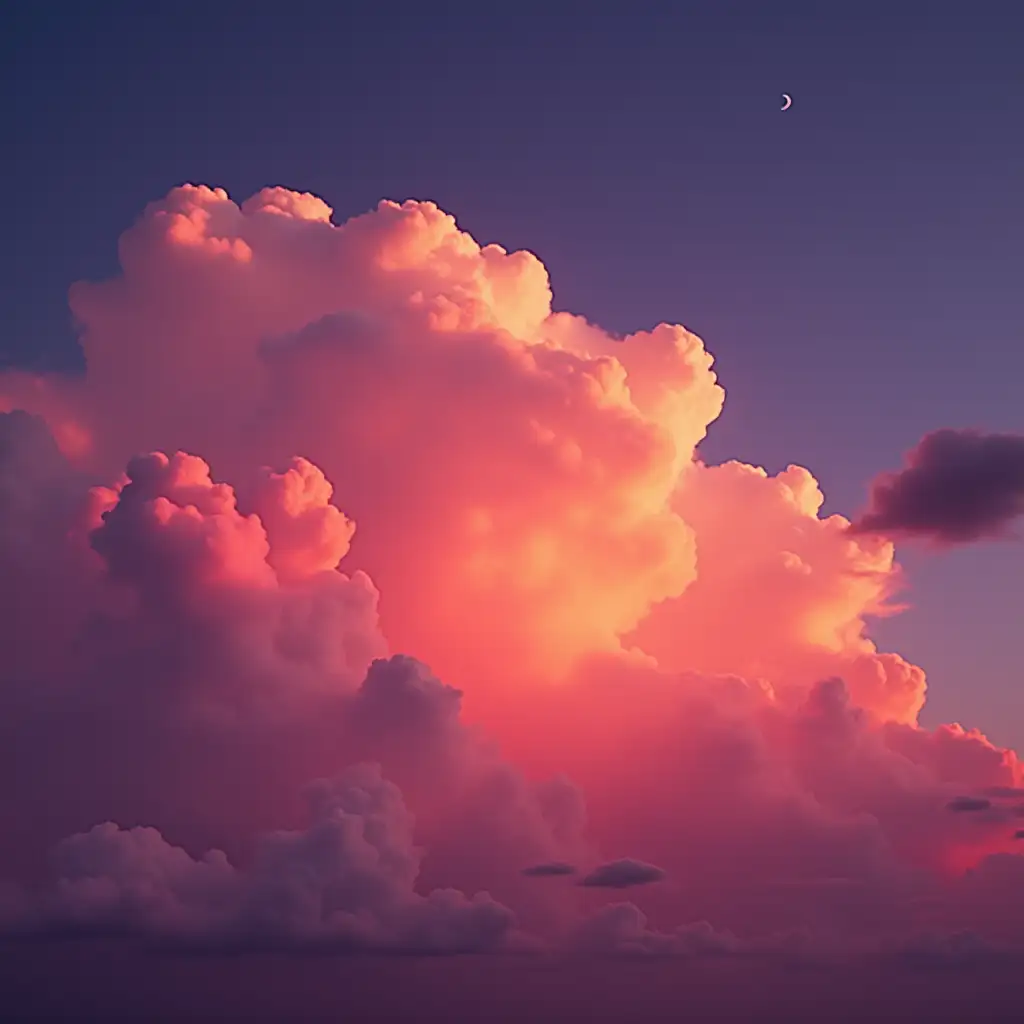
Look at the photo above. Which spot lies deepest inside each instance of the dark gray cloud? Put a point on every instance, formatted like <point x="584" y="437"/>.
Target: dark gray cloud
<point x="967" y="804"/>
<point x="622" y="874"/>
<point x="554" y="869"/>
<point x="956" y="486"/>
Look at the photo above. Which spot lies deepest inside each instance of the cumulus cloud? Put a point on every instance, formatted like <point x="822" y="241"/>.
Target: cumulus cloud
<point x="622" y="929"/>
<point x="196" y="640"/>
<point x="957" y="486"/>
<point x="368" y="348"/>
<point x="346" y="882"/>
<point x="374" y="447"/>
<point x="569" y="515"/>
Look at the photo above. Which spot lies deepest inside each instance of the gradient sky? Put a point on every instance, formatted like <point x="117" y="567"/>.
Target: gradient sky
<point x="853" y="265"/>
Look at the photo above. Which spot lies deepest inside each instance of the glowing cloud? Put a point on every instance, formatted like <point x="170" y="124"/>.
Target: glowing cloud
<point x="636" y="659"/>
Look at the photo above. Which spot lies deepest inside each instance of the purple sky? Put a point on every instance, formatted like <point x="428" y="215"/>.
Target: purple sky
<point x="173" y="989"/>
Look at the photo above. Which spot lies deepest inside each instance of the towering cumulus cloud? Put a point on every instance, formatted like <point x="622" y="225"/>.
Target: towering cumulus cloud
<point x="308" y="461"/>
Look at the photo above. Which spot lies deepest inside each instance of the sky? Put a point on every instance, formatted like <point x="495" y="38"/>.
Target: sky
<point x="402" y="446"/>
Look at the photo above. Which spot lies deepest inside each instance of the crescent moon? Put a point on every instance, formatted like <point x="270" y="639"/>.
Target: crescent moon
<point x="788" y="101"/>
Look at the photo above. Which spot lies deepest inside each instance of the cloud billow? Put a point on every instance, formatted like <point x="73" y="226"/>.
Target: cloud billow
<point x="400" y="525"/>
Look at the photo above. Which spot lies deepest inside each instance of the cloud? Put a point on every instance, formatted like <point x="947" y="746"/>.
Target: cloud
<point x="278" y="333"/>
<point x="622" y="929"/>
<point x="760" y="535"/>
<point x="195" y="638"/>
<point x="957" y="486"/>
<point x="622" y="874"/>
<point x="969" y="804"/>
<point x="1004" y="792"/>
<point x="569" y="516"/>
<point x="956" y="950"/>
<point x="345" y="883"/>
<point x="554" y="869"/>
<point x="393" y="508"/>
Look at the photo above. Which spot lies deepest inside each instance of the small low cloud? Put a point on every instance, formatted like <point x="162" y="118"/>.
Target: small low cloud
<point x="622" y="874"/>
<point x="968" y="804"/>
<point x="956" y="486"/>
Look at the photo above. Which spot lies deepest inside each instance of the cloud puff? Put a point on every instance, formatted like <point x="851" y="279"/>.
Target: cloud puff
<point x="957" y="486"/>
<point x="622" y="874"/>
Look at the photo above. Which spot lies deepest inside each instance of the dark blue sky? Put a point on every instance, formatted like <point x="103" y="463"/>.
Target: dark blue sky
<point x="854" y="263"/>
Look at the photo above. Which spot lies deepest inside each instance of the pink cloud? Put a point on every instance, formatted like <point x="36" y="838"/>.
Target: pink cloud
<point x="636" y="659"/>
